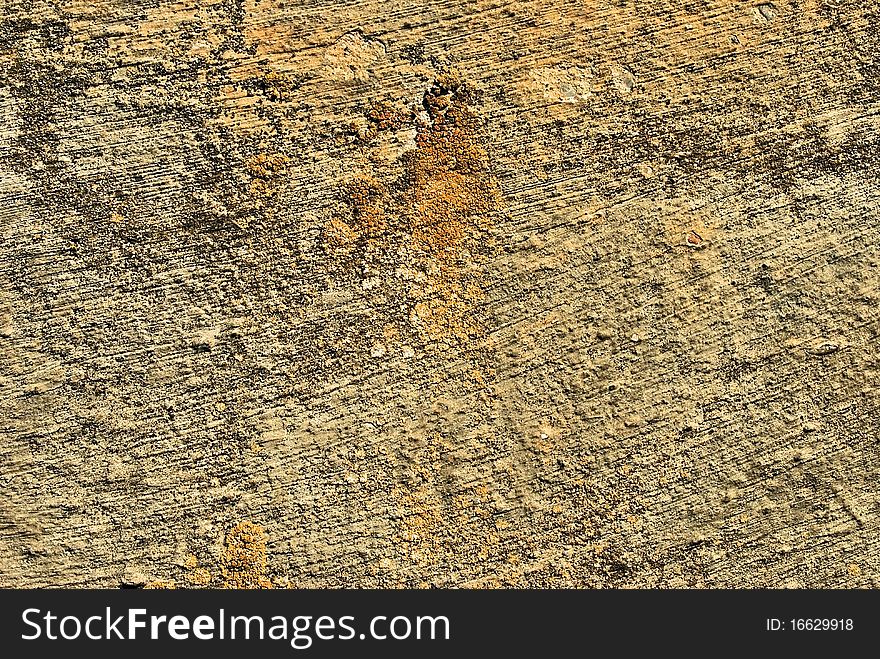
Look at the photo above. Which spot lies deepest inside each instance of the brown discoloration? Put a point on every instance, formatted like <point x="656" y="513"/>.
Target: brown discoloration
<point x="370" y="204"/>
<point x="451" y="187"/>
<point x="339" y="236"/>
<point x="437" y="213"/>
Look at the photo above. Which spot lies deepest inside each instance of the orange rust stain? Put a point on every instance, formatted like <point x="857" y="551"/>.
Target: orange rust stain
<point x="243" y="562"/>
<point x="453" y="193"/>
<point x="694" y="239"/>
<point x="435" y="215"/>
<point x="266" y="170"/>
<point x="267" y="165"/>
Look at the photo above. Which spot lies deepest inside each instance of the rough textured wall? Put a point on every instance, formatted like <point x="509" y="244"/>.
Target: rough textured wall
<point x="452" y="293"/>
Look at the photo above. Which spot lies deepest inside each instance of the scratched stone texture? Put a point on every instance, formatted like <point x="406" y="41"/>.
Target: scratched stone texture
<point x="531" y="293"/>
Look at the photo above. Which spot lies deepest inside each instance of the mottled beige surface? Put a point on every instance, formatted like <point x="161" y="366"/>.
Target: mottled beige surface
<point x="461" y="293"/>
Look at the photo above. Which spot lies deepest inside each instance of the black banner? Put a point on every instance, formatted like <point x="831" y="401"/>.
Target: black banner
<point x="428" y="623"/>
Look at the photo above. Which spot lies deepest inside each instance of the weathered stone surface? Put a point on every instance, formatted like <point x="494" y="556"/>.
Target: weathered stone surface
<point x="462" y="293"/>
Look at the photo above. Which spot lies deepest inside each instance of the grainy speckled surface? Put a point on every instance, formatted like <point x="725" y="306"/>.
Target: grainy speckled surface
<point x="462" y="293"/>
